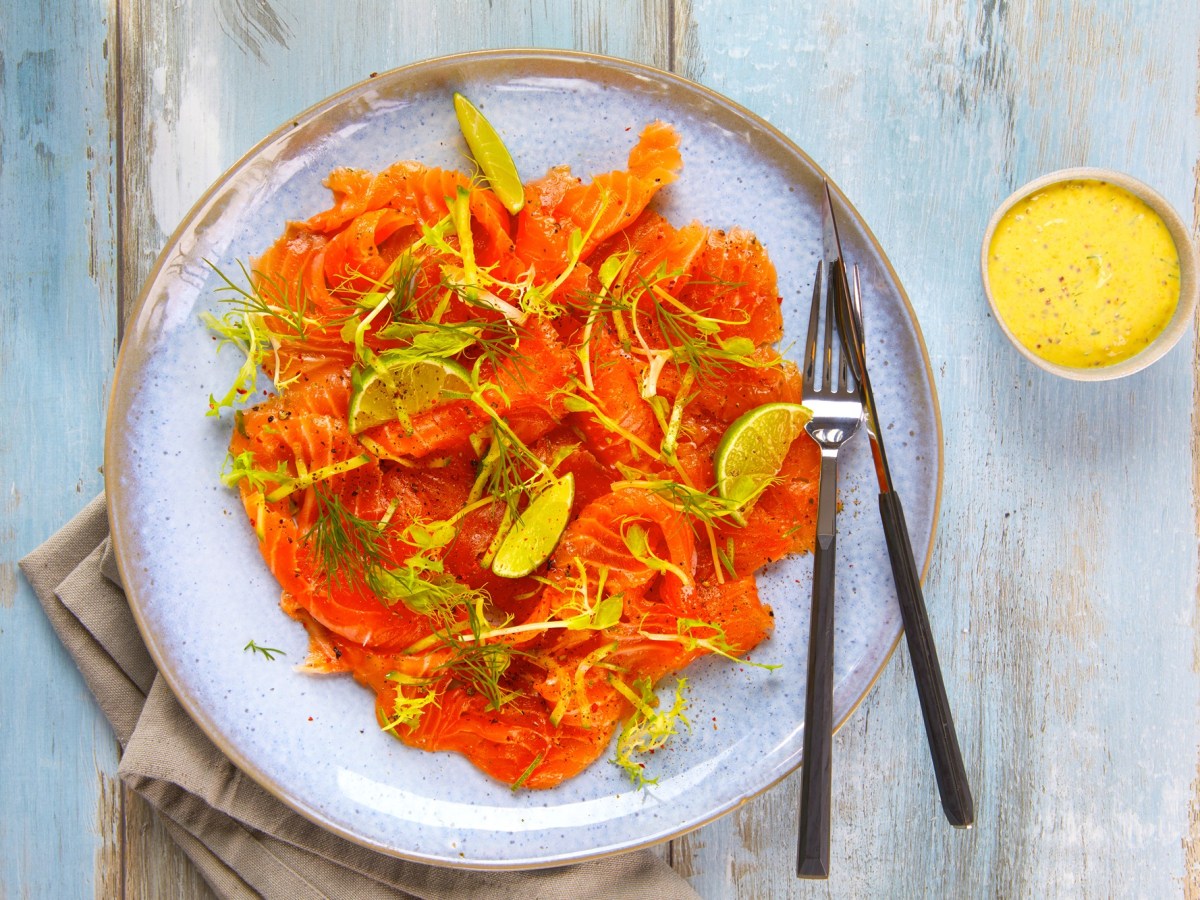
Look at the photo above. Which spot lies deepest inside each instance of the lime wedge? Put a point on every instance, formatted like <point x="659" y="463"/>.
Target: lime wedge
<point x="491" y="154"/>
<point x="753" y="448"/>
<point x="535" y="534"/>
<point x="400" y="387"/>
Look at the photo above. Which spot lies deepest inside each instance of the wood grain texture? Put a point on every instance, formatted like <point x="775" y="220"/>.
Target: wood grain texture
<point x="1191" y="841"/>
<point x="153" y="865"/>
<point x="1063" y="582"/>
<point x="57" y="349"/>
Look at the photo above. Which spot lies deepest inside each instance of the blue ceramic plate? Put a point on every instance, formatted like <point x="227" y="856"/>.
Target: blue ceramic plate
<point x="200" y="591"/>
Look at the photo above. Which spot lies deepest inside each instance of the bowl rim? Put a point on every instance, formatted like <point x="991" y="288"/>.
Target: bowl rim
<point x="1189" y="288"/>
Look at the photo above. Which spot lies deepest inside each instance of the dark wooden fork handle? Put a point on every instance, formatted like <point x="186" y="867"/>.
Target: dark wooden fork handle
<point x="816" y="773"/>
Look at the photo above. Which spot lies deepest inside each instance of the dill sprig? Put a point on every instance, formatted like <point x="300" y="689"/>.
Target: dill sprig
<point x="705" y="507"/>
<point x="509" y="470"/>
<point x="479" y="663"/>
<point x="689" y="339"/>
<point x="405" y="273"/>
<point x="696" y="340"/>
<point x="348" y="548"/>
<point x="268" y="653"/>
<point x="460" y="626"/>
<point x="259" y="318"/>
<point x="505" y="467"/>
<point x="481" y="666"/>
<point x="268" y="296"/>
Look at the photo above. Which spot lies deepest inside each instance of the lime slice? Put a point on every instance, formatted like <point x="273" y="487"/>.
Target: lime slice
<point x="491" y="154"/>
<point x="753" y="448"/>
<point x="535" y="534"/>
<point x="400" y="387"/>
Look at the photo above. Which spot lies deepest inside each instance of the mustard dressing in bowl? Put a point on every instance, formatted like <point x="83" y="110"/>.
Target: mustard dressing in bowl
<point x="1090" y="273"/>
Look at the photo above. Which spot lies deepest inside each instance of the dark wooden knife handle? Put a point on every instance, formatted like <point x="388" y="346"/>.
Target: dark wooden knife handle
<point x="816" y="773"/>
<point x="935" y="708"/>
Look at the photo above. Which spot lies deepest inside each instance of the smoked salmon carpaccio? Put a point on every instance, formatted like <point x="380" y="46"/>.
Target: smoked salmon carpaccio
<point x="585" y="337"/>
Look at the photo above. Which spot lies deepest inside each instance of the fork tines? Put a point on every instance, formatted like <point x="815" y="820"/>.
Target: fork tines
<point x="824" y="314"/>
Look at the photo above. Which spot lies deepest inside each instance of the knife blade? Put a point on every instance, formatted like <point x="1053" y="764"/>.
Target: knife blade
<point x="949" y="771"/>
<point x="835" y="267"/>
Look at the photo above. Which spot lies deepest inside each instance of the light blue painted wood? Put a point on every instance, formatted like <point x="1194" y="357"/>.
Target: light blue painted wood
<point x="1062" y="585"/>
<point x="199" y="116"/>
<point x="57" y="348"/>
<point x="1063" y="580"/>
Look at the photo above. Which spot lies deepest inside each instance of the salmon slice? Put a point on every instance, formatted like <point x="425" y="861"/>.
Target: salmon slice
<point x="360" y="618"/>
<point x="656" y="155"/>
<point x="599" y="538"/>
<point x="350" y="188"/>
<point x="512" y="740"/>
<point x="728" y="613"/>
<point x="290" y="276"/>
<point x="420" y="193"/>
<point x="308" y="423"/>
<point x="353" y="262"/>
<point x="611" y="202"/>
<point x="732" y="278"/>
<point x="538" y="233"/>
<point x="524" y="388"/>
<point x="747" y="387"/>
<point x="735" y="609"/>
<point x="655" y="252"/>
<point x="309" y="418"/>
<point x="622" y="410"/>
<point x="559" y="206"/>
<point x="415" y="189"/>
<point x="585" y="380"/>
<point x="286" y="259"/>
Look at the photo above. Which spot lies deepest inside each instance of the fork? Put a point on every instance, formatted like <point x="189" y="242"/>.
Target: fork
<point x="837" y="412"/>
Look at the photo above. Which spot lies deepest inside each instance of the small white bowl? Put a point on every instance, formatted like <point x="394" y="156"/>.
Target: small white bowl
<point x="1189" y="288"/>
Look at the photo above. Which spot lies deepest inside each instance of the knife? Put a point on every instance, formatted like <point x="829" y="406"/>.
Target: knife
<point x="948" y="766"/>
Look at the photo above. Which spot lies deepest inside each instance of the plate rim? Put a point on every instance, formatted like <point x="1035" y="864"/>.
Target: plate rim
<point x="113" y="467"/>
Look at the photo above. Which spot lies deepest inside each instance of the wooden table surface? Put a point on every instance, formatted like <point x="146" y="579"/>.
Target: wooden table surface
<point x="1063" y="579"/>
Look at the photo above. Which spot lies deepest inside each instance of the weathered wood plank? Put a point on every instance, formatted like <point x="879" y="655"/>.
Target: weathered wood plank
<point x="57" y="348"/>
<point x="1063" y="583"/>
<point x="154" y="865"/>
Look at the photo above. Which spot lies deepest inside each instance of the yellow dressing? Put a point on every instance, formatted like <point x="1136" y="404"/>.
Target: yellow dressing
<point x="1083" y="273"/>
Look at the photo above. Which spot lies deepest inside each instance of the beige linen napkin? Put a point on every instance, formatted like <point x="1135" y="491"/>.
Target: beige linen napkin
<point x="244" y="841"/>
